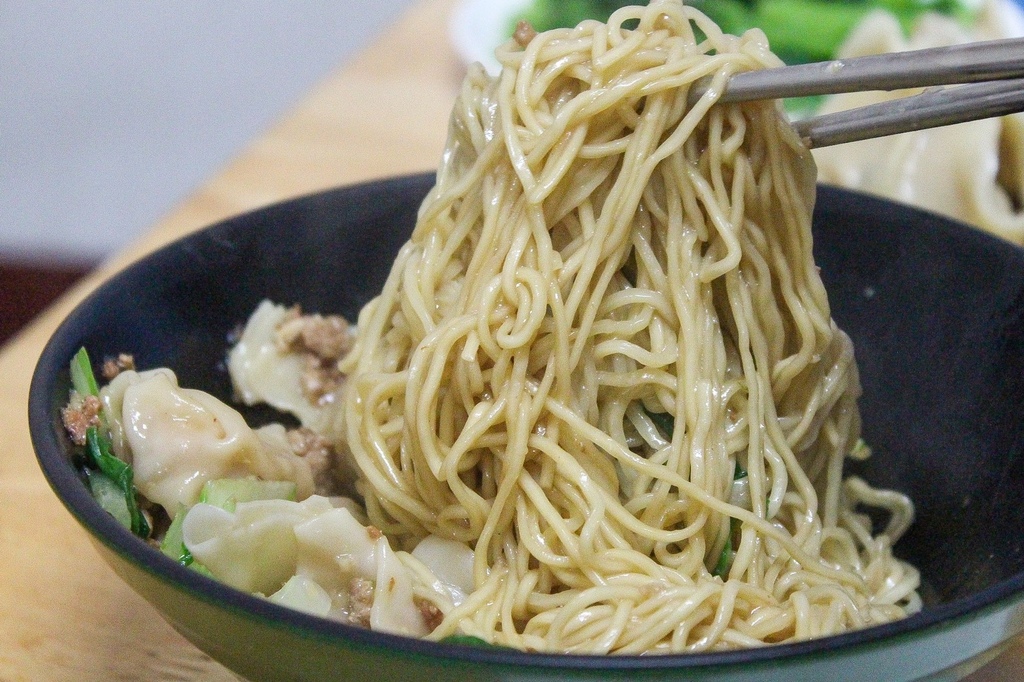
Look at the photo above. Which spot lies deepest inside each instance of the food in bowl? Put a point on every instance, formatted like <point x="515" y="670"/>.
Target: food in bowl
<point x="600" y="405"/>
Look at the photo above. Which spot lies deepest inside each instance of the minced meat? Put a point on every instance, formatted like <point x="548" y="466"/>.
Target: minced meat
<point x="320" y="456"/>
<point x="360" y="593"/>
<point x="79" y="415"/>
<point x="323" y="340"/>
<point x="432" y="616"/>
<point x="114" y="366"/>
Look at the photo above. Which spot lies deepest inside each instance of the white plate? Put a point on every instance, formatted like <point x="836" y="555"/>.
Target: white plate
<point x="479" y="26"/>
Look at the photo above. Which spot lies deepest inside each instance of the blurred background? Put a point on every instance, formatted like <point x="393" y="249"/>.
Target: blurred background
<point x="113" y="112"/>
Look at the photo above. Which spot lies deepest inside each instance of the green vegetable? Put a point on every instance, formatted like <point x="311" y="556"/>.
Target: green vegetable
<point x="112" y="473"/>
<point x="110" y="496"/>
<point x="469" y="640"/>
<point x="173" y="545"/>
<point x="227" y="492"/>
<point x="812" y="30"/>
<point x="98" y="449"/>
<point x="798" y="30"/>
<point x="664" y="422"/>
<point x="82" y="378"/>
<point x="721" y="568"/>
<point x="806" y="30"/>
<point x="724" y="562"/>
<point x="544" y="15"/>
<point x="907" y="11"/>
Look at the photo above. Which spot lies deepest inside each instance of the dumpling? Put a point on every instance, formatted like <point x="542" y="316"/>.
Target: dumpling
<point x="112" y="397"/>
<point x="298" y="553"/>
<point x="253" y="548"/>
<point x="357" y="563"/>
<point x="180" y="438"/>
<point x="264" y="369"/>
<point x="971" y="171"/>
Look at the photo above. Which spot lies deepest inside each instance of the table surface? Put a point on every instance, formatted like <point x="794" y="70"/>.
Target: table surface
<point x="64" y="615"/>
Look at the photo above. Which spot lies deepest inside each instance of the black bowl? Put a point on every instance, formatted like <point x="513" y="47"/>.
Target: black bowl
<point x="935" y="308"/>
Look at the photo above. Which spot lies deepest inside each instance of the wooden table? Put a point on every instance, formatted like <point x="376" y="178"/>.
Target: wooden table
<point x="63" y="614"/>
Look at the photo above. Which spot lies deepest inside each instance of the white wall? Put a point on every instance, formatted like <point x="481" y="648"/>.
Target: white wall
<point x="112" y="111"/>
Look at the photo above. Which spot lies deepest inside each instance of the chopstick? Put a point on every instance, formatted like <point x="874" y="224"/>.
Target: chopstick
<point x="993" y="70"/>
<point x="930" y="109"/>
<point x="968" y="63"/>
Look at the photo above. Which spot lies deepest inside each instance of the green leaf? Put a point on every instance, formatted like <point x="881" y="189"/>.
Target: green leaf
<point x="110" y="470"/>
<point x="724" y="562"/>
<point x="470" y="640"/>
<point x="665" y="422"/>
<point x="109" y="496"/>
<point x="173" y="545"/>
<point x="227" y="492"/>
<point x="120" y="472"/>
<point x="103" y="458"/>
<point x="82" y="377"/>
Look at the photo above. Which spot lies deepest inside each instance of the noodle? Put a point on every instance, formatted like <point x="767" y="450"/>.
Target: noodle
<point x="605" y="360"/>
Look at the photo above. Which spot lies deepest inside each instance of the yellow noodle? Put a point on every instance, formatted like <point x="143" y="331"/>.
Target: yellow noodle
<point x="597" y="251"/>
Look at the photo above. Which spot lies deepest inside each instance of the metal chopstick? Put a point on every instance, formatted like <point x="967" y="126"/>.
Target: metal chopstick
<point x="968" y="63"/>
<point x="932" y="108"/>
<point x="988" y="75"/>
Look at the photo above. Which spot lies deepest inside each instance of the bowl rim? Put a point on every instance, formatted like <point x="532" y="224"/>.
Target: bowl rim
<point x="46" y="432"/>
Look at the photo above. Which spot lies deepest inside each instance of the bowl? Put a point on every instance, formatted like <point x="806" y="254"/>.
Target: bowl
<point x="935" y="309"/>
